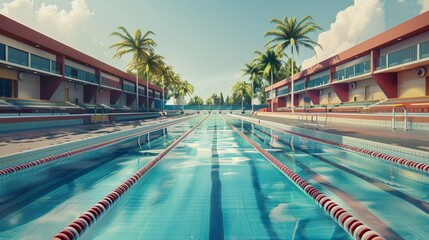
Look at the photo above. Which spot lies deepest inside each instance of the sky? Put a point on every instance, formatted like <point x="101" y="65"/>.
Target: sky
<point x="208" y="41"/>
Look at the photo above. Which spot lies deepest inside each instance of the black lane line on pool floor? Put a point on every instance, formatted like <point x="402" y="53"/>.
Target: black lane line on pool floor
<point x="379" y="225"/>
<point x="216" y="216"/>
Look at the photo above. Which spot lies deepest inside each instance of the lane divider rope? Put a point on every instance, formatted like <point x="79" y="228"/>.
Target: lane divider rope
<point x="77" y="228"/>
<point x="421" y="167"/>
<point x="352" y="225"/>
<point x="20" y="167"/>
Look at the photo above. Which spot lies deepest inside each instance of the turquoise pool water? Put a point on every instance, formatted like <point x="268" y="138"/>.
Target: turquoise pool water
<point x="215" y="185"/>
<point x="392" y="199"/>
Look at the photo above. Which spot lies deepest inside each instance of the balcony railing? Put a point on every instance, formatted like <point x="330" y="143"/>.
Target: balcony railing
<point x="110" y="83"/>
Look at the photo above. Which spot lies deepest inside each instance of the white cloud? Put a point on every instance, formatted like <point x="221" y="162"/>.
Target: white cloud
<point x="402" y="2"/>
<point x="357" y="23"/>
<point x="424" y="4"/>
<point x="48" y="18"/>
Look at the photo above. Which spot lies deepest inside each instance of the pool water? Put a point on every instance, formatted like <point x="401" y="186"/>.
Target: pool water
<point x="214" y="185"/>
<point x="392" y="199"/>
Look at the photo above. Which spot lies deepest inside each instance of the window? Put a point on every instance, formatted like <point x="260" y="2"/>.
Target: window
<point x="55" y="67"/>
<point x="318" y="81"/>
<point x="40" y="63"/>
<point x="129" y="88"/>
<point x="403" y="56"/>
<point x="382" y="62"/>
<point x="17" y="56"/>
<point x="282" y="91"/>
<point x="424" y="50"/>
<point x="5" y="88"/>
<point x="71" y="72"/>
<point x="2" y="52"/>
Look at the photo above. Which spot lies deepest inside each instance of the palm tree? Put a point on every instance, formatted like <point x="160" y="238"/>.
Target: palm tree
<point x="183" y="89"/>
<point x="164" y="78"/>
<point x="151" y="65"/>
<point x="241" y="88"/>
<point x="289" y="32"/>
<point x="254" y="71"/>
<point x="139" y="46"/>
<point x="270" y="62"/>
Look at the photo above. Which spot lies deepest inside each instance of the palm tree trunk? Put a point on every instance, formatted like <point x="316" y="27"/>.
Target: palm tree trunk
<point x="137" y="86"/>
<point x="147" y="93"/>
<point x="271" y="93"/>
<point x="293" y="98"/>
<point x="162" y="100"/>
<point x="252" y="96"/>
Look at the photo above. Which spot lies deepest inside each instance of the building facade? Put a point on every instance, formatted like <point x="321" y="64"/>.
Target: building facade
<point x="35" y="66"/>
<point x="393" y="64"/>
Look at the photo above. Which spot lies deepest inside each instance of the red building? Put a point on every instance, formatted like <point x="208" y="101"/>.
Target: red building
<point x="392" y="66"/>
<point x="36" y="67"/>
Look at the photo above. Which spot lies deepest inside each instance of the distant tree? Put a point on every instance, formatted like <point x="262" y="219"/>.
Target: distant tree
<point x="242" y="89"/>
<point x="209" y="101"/>
<point x="222" y="101"/>
<point x="196" y="100"/>
<point x="215" y="99"/>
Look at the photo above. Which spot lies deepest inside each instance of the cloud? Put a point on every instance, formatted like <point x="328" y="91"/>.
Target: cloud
<point x="424" y="4"/>
<point x="357" y="23"/>
<point x="49" y="18"/>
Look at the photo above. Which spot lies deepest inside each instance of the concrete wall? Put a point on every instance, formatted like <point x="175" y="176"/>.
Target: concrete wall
<point x="410" y="85"/>
<point x="103" y="96"/>
<point x="324" y="97"/>
<point x="375" y="92"/>
<point x="29" y="86"/>
<point x="73" y="92"/>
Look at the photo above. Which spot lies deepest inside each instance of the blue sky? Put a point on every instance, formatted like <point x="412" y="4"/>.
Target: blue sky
<point x="207" y="41"/>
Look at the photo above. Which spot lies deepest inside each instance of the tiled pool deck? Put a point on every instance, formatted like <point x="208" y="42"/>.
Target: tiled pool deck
<point x="21" y="141"/>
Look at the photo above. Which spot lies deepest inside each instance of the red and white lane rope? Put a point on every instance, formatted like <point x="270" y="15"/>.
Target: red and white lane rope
<point x="352" y="225"/>
<point x="75" y="229"/>
<point x="17" y="168"/>
<point x="422" y="167"/>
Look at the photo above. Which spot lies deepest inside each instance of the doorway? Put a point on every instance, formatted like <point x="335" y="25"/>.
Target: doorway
<point x="367" y="95"/>
<point x="66" y="95"/>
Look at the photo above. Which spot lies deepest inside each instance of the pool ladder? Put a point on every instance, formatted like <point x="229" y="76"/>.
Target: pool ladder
<point x="312" y="119"/>
<point x="394" y="116"/>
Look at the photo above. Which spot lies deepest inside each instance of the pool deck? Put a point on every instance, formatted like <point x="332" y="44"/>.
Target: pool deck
<point x="15" y="142"/>
<point x="414" y="139"/>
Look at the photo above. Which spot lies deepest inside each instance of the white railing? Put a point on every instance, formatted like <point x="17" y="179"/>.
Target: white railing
<point x="394" y="116"/>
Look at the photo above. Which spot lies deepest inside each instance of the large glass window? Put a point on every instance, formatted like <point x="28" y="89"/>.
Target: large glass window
<point x="129" y="88"/>
<point x="40" y="63"/>
<point x="2" y="52"/>
<point x="55" y="67"/>
<point x="5" y="88"/>
<point x="71" y="72"/>
<point x="382" y="62"/>
<point x="424" y="50"/>
<point x="403" y="56"/>
<point x="282" y="91"/>
<point x="17" y="56"/>
<point x="80" y="74"/>
<point x="298" y="87"/>
<point x="318" y="81"/>
<point x="362" y="68"/>
<point x="340" y="75"/>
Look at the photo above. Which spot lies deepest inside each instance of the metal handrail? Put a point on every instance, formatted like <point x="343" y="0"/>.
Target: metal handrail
<point x="394" y="116"/>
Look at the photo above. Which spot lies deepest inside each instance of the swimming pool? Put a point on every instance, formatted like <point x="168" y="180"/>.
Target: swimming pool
<point x="215" y="185"/>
